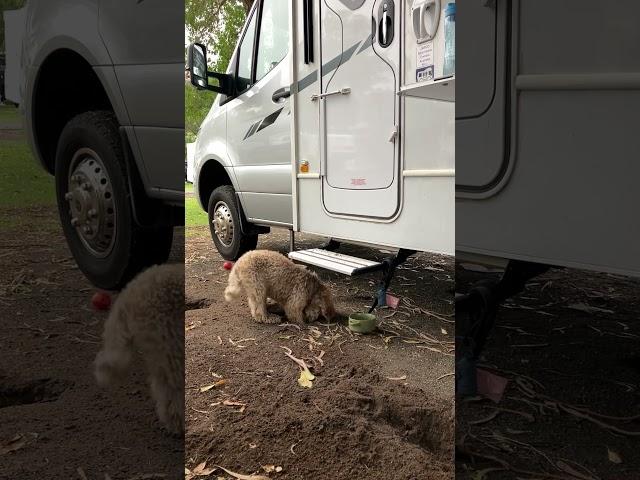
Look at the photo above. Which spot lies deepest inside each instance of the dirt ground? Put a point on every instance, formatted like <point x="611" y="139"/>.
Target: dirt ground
<point x="381" y="405"/>
<point x="50" y="405"/>
<point x="55" y="422"/>
<point x="569" y="346"/>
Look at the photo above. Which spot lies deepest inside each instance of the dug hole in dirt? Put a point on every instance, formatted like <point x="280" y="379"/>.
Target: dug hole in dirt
<point x="380" y="405"/>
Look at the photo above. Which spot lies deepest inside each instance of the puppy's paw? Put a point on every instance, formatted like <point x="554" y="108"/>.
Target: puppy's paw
<point x="273" y="319"/>
<point x="268" y="318"/>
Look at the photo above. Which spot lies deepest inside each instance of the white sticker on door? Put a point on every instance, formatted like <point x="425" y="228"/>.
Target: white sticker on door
<point x="424" y="62"/>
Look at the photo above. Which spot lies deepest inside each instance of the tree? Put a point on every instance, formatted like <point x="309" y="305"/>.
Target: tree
<point x="204" y="18"/>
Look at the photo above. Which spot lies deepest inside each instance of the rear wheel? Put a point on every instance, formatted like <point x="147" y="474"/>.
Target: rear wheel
<point x="94" y="204"/>
<point x="225" y="219"/>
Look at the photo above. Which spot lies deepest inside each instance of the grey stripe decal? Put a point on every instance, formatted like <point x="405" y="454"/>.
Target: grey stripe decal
<point x="308" y="81"/>
<point x="252" y="129"/>
<point x="335" y="62"/>
<point x="264" y="123"/>
<point x="367" y="43"/>
<point x="269" y="120"/>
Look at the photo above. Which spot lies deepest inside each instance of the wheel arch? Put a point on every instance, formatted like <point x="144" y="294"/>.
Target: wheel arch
<point x="211" y="175"/>
<point x="65" y="85"/>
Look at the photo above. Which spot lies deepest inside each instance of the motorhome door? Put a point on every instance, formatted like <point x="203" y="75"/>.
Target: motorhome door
<point x="359" y="111"/>
<point x="481" y="103"/>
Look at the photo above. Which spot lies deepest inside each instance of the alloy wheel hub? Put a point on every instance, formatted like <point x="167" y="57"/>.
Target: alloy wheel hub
<point x="223" y="223"/>
<point x="91" y="203"/>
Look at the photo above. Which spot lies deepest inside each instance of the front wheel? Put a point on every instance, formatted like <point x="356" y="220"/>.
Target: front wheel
<point x="94" y="204"/>
<point x="224" y="222"/>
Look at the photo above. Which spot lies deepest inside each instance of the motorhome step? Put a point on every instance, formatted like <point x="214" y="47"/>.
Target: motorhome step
<point x="336" y="262"/>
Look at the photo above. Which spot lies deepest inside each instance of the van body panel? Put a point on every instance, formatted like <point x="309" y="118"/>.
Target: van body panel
<point x="268" y="208"/>
<point x="264" y="179"/>
<point x="569" y="196"/>
<point x="258" y="142"/>
<point x="156" y="115"/>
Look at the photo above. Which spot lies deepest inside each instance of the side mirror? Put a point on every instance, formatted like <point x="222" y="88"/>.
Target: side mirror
<point x="199" y="75"/>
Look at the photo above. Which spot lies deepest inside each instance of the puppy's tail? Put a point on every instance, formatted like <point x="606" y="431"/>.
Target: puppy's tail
<point x="234" y="288"/>
<point x="112" y="361"/>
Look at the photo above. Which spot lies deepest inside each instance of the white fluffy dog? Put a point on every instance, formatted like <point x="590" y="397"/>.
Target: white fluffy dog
<point x="148" y="317"/>
<point x="262" y="274"/>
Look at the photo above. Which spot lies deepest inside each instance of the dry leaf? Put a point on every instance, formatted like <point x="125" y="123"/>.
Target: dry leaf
<point x="230" y="403"/>
<point x="572" y="471"/>
<point x="583" y="307"/>
<point x="239" y="476"/>
<point x="206" y="388"/>
<point x="443" y="331"/>
<point x="200" y="470"/>
<point x="613" y="456"/>
<point x="306" y="378"/>
<point x="486" y="419"/>
<point x="16" y="443"/>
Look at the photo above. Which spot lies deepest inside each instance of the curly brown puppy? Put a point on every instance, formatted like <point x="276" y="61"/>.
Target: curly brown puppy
<point x="148" y="317"/>
<point x="263" y="273"/>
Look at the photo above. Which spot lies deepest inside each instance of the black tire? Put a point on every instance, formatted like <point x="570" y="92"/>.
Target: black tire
<point x="131" y="248"/>
<point x="240" y="243"/>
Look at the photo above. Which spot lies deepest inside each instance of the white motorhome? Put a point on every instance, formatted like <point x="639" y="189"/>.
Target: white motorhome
<point x="336" y="118"/>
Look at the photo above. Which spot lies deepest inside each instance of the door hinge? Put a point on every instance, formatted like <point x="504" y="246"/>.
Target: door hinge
<point x="394" y="134"/>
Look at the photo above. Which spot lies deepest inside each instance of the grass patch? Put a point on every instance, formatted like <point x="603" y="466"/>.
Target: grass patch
<point x="23" y="182"/>
<point x="10" y="115"/>
<point x="194" y="216"/>
<point x="196" y="220"/>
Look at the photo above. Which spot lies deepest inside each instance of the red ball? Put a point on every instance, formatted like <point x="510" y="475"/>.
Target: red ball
<point x="101" y="301"/>
<point x="227" y="265"/>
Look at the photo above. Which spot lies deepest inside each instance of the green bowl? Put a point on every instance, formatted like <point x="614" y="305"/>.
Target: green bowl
<point x="362" y="322"/>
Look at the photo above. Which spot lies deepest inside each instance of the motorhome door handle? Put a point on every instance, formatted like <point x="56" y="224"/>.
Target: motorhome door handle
<point x="281" y="94"/>
<point x="386" y="15"/>
<point x="342" y="91"/>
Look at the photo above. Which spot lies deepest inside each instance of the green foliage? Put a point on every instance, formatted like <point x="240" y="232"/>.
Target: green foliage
<point x="216" y="24"/>
<point x="204" y="17"/>
<point x="224" y="40"/>
<point x="7" y="5"/>
<point x="197" y="104"/>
